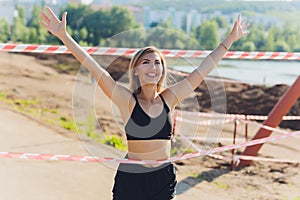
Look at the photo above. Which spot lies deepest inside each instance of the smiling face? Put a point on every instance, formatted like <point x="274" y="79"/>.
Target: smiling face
<point x="147" y="67"/>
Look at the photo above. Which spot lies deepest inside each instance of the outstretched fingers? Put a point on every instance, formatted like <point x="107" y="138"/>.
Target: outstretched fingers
<point x="52" y="23"/>
<point x="243" y="25"/>
<point x="240" y="28"/>
<point x="244" y="22"/>
<point x="52" y="13"/>
<point x="44" y="19"/>
<point x="245" y="30"/>
<point x="239" y="18"/>
<point x="44" y="16"/>
<point x="43" y="24"/>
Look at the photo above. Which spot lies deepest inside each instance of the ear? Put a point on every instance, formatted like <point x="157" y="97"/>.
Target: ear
<point x="134" y="72"/>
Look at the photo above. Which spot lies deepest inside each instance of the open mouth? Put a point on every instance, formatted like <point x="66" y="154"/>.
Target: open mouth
<point x="151" y="75"/>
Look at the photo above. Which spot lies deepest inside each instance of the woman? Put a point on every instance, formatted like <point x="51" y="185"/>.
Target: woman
<point x="145" y="109"/>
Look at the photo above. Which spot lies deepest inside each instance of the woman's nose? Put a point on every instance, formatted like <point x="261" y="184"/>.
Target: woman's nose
<point x="152" y="65"/>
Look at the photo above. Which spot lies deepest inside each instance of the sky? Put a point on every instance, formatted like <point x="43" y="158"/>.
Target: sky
<point x="87" y="1"/>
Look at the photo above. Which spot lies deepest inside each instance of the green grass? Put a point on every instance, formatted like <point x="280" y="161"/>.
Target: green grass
<point x="197" y="176"/>
<point x="66" y="123"/>
<point x="115" y="141"/>
<point x="3" y="95"/>
<point x="296" y="198"/>
<point x="53" y="111"/>
<point x="220" y="185"/>
<point x="173" y="152"/>
<point x="34" y="108"/>
<point x="63" y="67"/>
<point x="4" y="98"/>
<point x="90" y="125"/>
<point x="185" y="150"/>
<point x="24" y="102"/>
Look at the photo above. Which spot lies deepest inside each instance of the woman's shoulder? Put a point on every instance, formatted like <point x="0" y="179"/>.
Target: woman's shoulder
<point x="167" y="97"/>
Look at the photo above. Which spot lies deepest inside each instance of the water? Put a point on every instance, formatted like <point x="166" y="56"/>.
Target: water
<point x="259" y="72"/>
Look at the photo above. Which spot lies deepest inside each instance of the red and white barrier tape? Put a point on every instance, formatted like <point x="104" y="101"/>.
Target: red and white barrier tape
<point x="204" y="122"/>
<point x="231" y="116"/>
<point x="236" y="158"/>
<point x="213" y="140"/>
<point x="130" y="161"/>
<point x="167" y="52"/>
<point x="262" y="126"/>
<point x="33" y="48"/>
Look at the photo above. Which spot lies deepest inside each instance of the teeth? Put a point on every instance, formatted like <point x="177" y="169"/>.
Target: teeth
<point x="151" y="74"/>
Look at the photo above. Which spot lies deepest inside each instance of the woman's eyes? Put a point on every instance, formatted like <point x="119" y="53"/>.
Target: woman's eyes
<point x="147" y="62"/>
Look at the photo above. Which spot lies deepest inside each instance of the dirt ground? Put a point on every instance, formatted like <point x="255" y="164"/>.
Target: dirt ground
<point x="35" y="105"/>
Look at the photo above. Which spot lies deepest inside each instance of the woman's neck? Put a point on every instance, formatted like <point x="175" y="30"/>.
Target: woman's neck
<point x="148" y="93"/>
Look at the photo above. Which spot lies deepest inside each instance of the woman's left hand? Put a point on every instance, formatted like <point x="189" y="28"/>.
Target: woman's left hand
<point x="54" y="25"/>
<point x="239" y="28"/>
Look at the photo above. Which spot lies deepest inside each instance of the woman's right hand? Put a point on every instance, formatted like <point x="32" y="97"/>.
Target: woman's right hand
<point x="239" y="28"/>
<point x="53" y="24"/>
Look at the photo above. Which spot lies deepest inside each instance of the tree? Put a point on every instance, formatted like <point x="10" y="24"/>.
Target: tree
<point x="4" y="30"/>
<point x="103" y="24"/>
<point x="207" y="34"/>
<point x="30" y="36"/>
<point x="76" y="15"/>
<point x="121" y="19"/>
<point x="19" y="28"/>
<point x="221" y="21"/>
<point x="133" y="38"/>
<point x="259" y="37"/>
<point x="37" y="33"/>
<point x="248" y="46"/>
<point x="281" y="46"/>
<point x="96" y="25"/>
<point x="168" y="23"/>
<point x="76" y="18"/>
<point x="270" y="41"/>
<point x="169" y="39"/>
<point x="292" y="41"/>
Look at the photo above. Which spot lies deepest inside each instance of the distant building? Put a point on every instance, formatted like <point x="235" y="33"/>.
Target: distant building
<point x="266" y="20"/>
<point x="158" y="16"/>
<point x="177" y="17"/>
<point x="74" y="1"/>
<point x="193" y="19"/>
<point x="143" y="15"/>
<point x="147" y="17"/>
<point x="7" y="11"/>
<point x="99" y="3"/>
<point x="138" y="14"/>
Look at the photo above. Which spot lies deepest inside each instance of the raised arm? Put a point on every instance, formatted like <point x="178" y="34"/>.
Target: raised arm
<point x="58" y="28"/>
<point x="182" y="89"/>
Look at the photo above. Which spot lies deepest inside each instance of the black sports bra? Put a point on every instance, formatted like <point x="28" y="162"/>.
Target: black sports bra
<point x="141" y="126"/>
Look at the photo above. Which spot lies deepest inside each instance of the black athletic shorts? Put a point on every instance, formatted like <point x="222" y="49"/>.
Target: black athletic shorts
<point x="136" y="182"/>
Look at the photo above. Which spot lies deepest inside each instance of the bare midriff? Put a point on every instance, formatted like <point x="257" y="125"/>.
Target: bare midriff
<point x="149" y="149"/>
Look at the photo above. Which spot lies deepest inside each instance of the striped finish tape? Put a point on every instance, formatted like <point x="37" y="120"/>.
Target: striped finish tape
<point x="131" y="161"/>
<point x="34" y="48"/>
<point x="231" y="116"/>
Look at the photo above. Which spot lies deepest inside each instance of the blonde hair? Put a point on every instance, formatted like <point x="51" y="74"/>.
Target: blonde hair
<point x="134" y="82"/>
